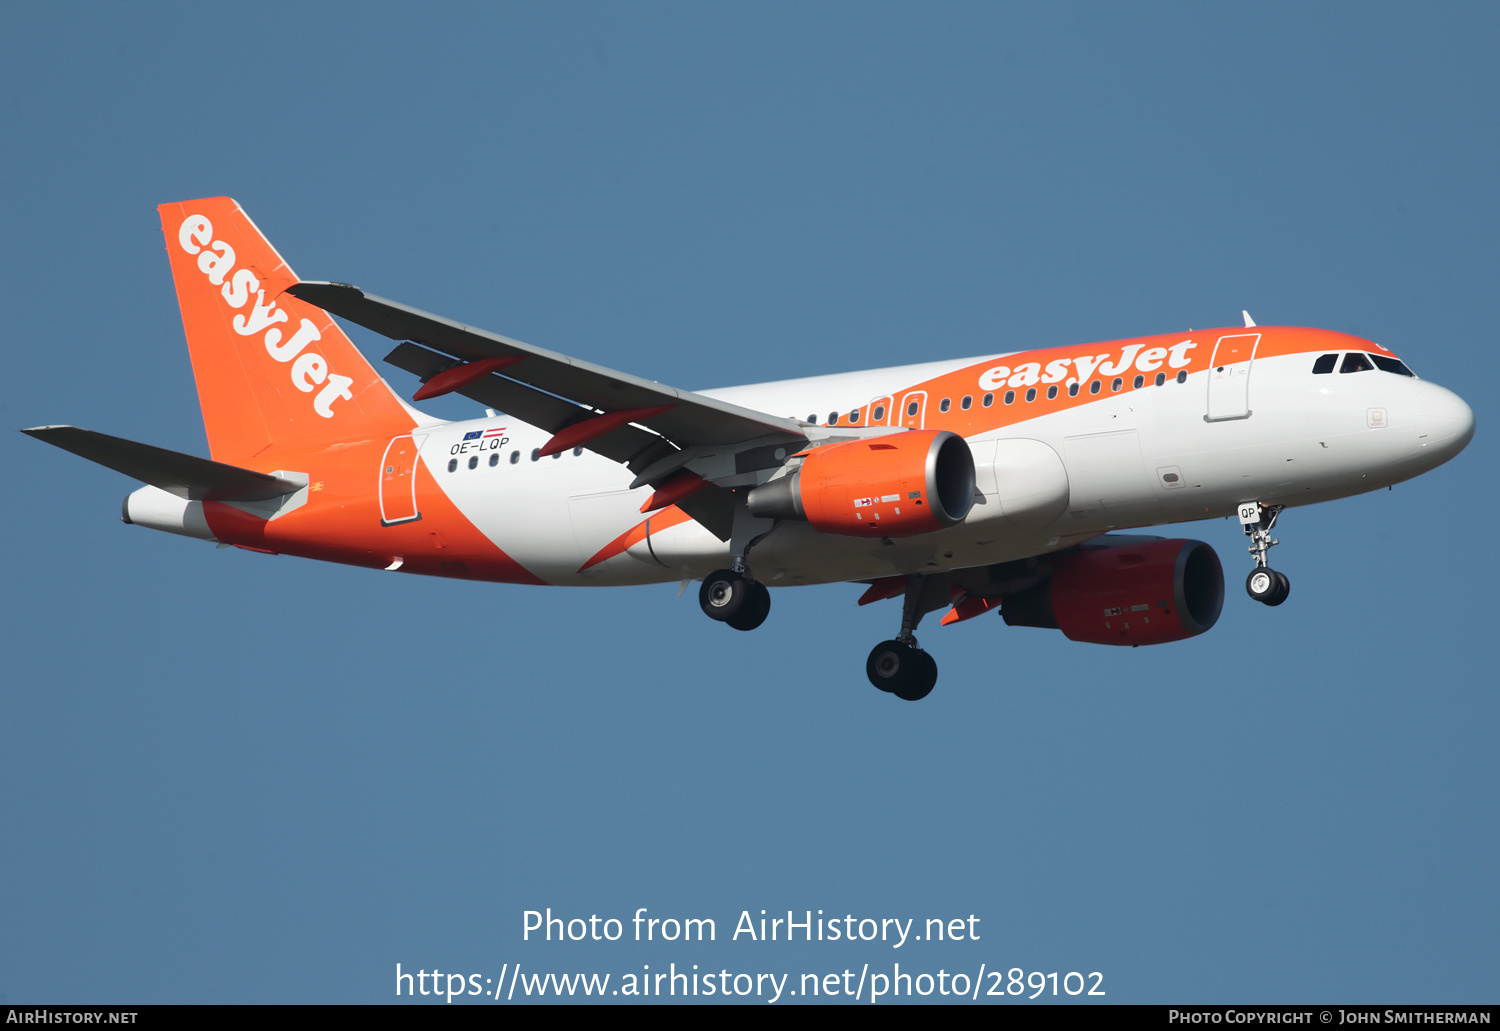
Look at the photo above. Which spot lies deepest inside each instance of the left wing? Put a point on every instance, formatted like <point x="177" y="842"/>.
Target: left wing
<point x="691" y="419"/>
<point x="666" y="427"/>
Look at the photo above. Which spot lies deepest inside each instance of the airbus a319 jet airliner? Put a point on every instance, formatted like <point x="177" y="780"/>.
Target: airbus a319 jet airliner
<point x="972" y="484"/>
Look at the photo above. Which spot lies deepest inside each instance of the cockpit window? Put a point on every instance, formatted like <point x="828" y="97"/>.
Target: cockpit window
<point x="1325" y="364"/>
<point x="1356" y="362"/>
<point x="1395" y="365"/>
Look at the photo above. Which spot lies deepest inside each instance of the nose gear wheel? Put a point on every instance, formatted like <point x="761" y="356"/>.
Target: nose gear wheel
<point x="1268" y="586"/>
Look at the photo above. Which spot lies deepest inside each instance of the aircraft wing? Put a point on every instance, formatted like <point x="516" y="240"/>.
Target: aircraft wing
<point x="554" y="392"/>
<point x="692" y="419"/>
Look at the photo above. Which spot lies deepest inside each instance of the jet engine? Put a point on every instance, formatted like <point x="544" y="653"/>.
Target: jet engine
<point x="1139" y="592"/>
<point x="897" y="485"/>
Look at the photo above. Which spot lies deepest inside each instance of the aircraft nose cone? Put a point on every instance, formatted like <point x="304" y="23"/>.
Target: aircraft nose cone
<point x="1446" y="422"/>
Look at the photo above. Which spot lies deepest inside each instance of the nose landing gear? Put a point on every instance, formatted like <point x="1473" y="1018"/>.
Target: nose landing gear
<point x="1264" y="584"/>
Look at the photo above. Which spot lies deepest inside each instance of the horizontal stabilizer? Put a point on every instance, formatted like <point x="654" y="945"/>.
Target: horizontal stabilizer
<point x="187" y="476"/>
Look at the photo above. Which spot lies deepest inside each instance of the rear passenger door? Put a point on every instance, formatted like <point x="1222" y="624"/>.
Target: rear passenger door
<point x="397" y="488"/>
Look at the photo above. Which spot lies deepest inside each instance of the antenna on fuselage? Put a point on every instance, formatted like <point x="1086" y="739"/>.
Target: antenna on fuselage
<point x="1249" y="322"/>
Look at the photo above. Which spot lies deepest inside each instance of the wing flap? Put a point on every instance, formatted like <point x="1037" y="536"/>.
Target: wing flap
<point x="528" y="404"/>
<point x="187" y="476"/>
<point x="631" y="446"/>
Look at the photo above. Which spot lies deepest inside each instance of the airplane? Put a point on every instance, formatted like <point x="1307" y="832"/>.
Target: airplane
<point x="974" y="484"/>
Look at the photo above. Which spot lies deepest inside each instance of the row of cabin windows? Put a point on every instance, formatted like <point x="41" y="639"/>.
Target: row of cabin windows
<point x="515" y="458"/>
<point x="967" y="401"/>
<point x="1358" y="361"/>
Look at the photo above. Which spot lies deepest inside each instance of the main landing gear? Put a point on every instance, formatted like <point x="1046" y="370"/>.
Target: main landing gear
<point x="1264" y="584"/>
<point x="730" y="596"/>
<point x="900" y="666"/>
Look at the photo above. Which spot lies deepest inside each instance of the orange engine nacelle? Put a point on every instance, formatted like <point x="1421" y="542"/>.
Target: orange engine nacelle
<point x="897" y="485"/>
<point x="1142" y="592"/>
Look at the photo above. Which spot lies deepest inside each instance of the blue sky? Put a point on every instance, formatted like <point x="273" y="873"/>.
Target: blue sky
<point x="229" y="777"/>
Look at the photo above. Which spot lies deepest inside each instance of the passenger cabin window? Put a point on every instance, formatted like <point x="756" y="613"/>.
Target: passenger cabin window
<point x="1073" y="389"/>
<point x="878" y="413"/>
<point x="1356" y="362"/>
<point x="989" y="399"/>
<point x="911" y="409"/>
<point x="1010" y="397"/>
<point x="967" y="402"/>
<point x="1324" y="365"/>
<point x="1051" y="392"/>
<point x="944" y="405"/>
<point x="1395" y="365"/>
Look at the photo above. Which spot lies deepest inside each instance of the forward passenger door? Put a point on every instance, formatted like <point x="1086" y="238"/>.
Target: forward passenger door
<point x="1229" y="376"/>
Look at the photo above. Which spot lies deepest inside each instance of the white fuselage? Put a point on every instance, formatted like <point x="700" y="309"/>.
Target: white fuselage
<point x="1137" y="457"/>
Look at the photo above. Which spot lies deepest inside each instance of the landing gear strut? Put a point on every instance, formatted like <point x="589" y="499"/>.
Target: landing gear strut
<point x="900" y="666"/>
<point x="730" y="596"/>
<point x="1264" y="584"/>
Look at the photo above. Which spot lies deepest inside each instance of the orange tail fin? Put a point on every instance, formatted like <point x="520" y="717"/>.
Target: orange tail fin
<point x="272" y="371"/>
